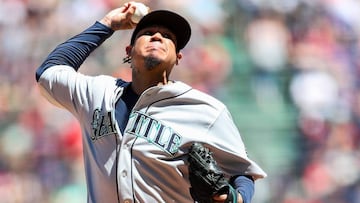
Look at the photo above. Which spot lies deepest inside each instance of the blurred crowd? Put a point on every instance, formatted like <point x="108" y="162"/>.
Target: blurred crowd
<point x="287" y="70"/>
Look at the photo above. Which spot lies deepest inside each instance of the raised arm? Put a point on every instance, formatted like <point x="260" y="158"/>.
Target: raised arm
<point x="74" y="51"/>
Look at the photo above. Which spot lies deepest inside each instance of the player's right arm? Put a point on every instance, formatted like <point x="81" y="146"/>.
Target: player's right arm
<point x="57" y="76"/>
<point x="74" y="51"/>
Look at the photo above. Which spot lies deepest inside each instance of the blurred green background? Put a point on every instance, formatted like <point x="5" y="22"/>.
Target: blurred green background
<point x="286" y="69"/>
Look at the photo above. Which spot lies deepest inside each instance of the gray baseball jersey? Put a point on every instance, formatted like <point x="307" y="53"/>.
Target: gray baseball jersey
<point x="146" y="163"/>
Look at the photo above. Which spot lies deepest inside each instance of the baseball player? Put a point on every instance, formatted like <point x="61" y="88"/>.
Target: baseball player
<point x="137" y="135"/>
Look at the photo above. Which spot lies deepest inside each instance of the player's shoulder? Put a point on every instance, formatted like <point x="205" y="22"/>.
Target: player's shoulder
<point x="104" y="80"/>
<point x="102" y="84"/>
<point x="108" y="79"/>
<point x="207" y="98"/>
<point x="202" y="97"/>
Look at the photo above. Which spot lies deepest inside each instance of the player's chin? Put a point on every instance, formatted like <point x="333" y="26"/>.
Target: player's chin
<point x="151" y="62"/>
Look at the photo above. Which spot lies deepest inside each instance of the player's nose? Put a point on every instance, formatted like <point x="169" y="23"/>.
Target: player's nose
<point x="157" y="37"/>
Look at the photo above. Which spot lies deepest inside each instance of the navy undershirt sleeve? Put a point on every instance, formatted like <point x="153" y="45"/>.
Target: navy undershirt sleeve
<point x="245" y="186"/>
<point x="74" y="51"/>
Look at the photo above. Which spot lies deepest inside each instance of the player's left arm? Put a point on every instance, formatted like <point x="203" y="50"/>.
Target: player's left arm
<point x="229" y="149"/>
<point x="242" y="170"/>
<point x="244" y="186"/>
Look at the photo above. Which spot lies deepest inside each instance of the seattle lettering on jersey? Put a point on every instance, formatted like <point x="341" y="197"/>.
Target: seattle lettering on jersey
<point x="102" y="125"/>
<point x="154" y="132"/>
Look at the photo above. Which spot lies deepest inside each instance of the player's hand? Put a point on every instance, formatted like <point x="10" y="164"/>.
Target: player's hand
<point x="120" y="18"/>
<point x="221" y="198"/>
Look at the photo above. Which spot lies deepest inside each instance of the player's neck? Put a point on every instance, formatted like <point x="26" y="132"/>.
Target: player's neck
<point x="141" y="83"/>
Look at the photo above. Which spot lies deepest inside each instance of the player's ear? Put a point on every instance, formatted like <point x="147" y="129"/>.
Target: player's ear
<point x="127" y="59"/>
<point x="178" y="57"/>
<point x="128" y="50"/>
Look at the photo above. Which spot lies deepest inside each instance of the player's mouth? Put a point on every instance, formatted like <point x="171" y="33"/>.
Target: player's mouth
<point x="155" y="47"/>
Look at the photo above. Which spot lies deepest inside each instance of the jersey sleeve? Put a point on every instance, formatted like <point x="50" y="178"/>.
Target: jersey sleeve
<point x="74" y="51"/>
<point x="230" y="151"/>
<point x="57" y="76"/>
<point x="68" y="89"/>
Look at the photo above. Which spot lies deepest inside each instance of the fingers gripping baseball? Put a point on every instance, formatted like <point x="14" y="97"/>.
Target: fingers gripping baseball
<point x="120" y="18"/>
<point x="206" y="178"/>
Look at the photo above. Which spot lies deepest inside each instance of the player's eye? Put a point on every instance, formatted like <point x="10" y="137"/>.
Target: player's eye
<point x="168" y="36"/>
<point x="148" y="33"/>
<point x="164" y="33"/>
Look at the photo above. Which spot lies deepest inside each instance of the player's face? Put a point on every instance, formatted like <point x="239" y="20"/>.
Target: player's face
<point x="156" y="45"/>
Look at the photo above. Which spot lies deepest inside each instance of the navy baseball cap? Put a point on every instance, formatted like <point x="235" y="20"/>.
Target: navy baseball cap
<point x="174" y="22"/>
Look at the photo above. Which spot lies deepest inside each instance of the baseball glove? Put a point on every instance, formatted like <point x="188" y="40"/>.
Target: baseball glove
<point x="206" y="178"/>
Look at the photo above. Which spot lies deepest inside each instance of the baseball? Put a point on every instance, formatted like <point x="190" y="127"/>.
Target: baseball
<point x="141" y="11"/>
